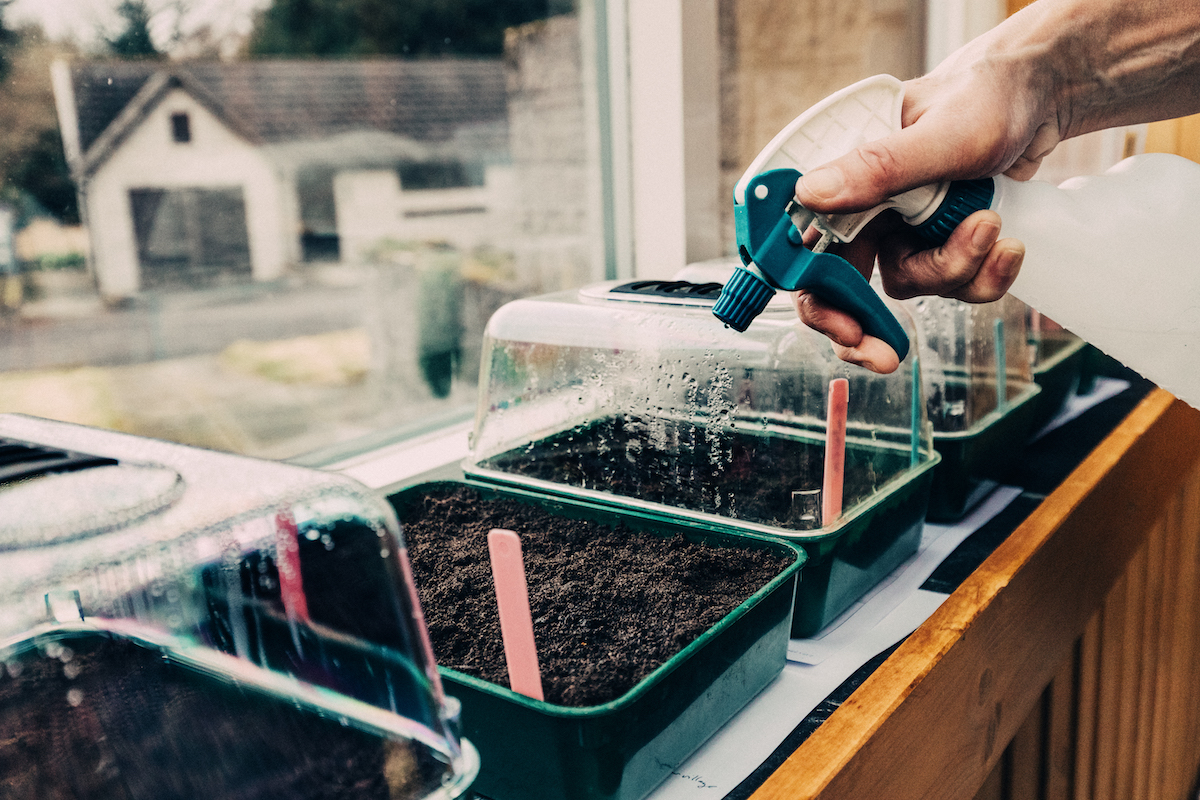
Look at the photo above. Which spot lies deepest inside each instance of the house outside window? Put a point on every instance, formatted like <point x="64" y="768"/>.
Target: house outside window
<point x="432" y="175"/>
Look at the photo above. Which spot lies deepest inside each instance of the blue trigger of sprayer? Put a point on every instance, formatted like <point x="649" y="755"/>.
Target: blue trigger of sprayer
<point x="775" y="258"/>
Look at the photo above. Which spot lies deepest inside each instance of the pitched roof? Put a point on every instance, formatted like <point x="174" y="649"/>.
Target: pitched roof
<point x="285" y="101"/>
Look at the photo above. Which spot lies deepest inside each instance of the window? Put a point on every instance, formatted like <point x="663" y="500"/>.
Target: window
<point x="318" y="271"/>
<point x="433" y="175"/>
<point x="181" y="128"/>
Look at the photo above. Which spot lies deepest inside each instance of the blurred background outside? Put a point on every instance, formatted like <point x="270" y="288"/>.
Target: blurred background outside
<point x="276" y="227"/>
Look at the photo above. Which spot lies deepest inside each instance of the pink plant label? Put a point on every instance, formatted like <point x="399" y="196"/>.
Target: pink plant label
<point x="516" y="622"/>
<point x="835" y="450"/>
<point x="287" y="561"/>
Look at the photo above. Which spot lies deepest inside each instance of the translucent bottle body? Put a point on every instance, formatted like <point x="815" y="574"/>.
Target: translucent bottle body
<point x="1115" y="258"/>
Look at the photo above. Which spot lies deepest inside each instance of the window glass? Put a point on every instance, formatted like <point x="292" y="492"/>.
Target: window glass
<point x="417" y="175"/>
<point x="363" y="185"/>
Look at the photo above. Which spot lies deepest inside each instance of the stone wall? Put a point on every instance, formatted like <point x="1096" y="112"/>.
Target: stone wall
<point x="780" y="58"/>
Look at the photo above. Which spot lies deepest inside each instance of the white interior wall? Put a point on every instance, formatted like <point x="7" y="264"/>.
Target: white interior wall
<point x="673" y="59"/>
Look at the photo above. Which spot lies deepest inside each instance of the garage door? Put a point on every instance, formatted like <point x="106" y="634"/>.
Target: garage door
<point x="190" y="237"/>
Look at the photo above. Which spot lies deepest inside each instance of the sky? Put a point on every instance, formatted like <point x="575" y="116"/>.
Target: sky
<point x="82" y="20"/>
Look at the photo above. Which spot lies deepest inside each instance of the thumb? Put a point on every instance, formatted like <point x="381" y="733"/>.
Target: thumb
<point x="875" y="171"/>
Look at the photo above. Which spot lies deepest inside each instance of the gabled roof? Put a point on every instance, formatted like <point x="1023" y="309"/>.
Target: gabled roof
<point x="273" y="102"/>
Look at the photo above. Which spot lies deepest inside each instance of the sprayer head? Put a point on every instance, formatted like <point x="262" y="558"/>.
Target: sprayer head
<point x="743" y="298"/>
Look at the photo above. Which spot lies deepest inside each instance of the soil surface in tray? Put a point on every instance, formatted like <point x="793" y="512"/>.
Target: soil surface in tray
<point x="731" y="473"/>
<point x="609" y="604"/>
<point x="105" y="719"/>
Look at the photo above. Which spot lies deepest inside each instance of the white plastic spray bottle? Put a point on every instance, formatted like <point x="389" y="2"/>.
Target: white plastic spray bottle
<point x="1114" y="258"/>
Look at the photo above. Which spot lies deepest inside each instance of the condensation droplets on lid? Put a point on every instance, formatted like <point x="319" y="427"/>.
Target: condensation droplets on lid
<point x="236" y="627"/>
<point x="634" y="390"/>
<point x="62" y="506"/>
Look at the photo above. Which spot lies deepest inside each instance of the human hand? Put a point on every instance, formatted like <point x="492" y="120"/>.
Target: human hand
<point x="977" y="115"/>
<point x="1000" y="104"/>
<point x="973" y="265"/>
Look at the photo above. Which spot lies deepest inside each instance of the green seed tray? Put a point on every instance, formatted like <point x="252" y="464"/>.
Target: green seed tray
<point x="1058" y="372"/>
<point x="622" y="749"/>
<point x="845" y="559"/>
<point x="974" y="458"/>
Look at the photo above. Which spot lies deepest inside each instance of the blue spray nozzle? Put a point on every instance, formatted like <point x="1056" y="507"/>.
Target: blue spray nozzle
<point x="768" y="239"/>
<point x="743" y="298"/>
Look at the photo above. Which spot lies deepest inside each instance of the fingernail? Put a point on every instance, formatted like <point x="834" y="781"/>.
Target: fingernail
<point x="984" y="235"/>
<point x="1010" y="261"/>
<point x="823" y="184"/>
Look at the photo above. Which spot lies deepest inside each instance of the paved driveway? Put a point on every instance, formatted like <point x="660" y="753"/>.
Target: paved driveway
<point x="267" y="370"/>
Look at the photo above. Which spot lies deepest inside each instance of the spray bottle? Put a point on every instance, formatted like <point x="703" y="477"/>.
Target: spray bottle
<point x="1115" y="258"/>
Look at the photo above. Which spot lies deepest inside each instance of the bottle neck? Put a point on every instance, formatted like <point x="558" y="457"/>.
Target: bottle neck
<point x="916" y="206"/>
<point x="960" y="199"/>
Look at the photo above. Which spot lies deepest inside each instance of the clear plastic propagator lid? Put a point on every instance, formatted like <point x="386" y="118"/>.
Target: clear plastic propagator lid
<point x="176" y="622"/>
<point x="1049" y="342"/>
<point x="974" y="359"/>
<point x="635" y="391"/>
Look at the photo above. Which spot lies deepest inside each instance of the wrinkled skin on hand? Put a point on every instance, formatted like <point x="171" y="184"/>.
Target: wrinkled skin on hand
<point x="1000" y="104"/>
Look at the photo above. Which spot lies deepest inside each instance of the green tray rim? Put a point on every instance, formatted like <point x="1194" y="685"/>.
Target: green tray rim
<point x="769" y="543"/>
<point x="1028" y="393"/>
<point x="702" y="520"/>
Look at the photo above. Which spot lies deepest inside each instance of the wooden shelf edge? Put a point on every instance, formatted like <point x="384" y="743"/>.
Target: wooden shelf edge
<point x="1043" y="581"/>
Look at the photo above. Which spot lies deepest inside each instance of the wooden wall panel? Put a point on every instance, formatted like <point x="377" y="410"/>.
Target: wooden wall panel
<point x="993" y="787"/>
<point x="1088" y="694"/>
<point x="1121" y="718"/>
<point x="1150" y="663"/>
<point x="1130" y="676"/>
<point x="1159" y="725"/>
<point x="1024" y="759"/>
<point x="1061" y="719"/>
<point x="1181" y="739"/>
<point x="1077" y="599"/>
<point x="1108" y="694"/>
<point x="1179" y="136"/>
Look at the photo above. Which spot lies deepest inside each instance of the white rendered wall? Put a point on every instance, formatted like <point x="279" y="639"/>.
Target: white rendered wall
<point x="214" y="158"/>
<point x="372" y="210"/>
